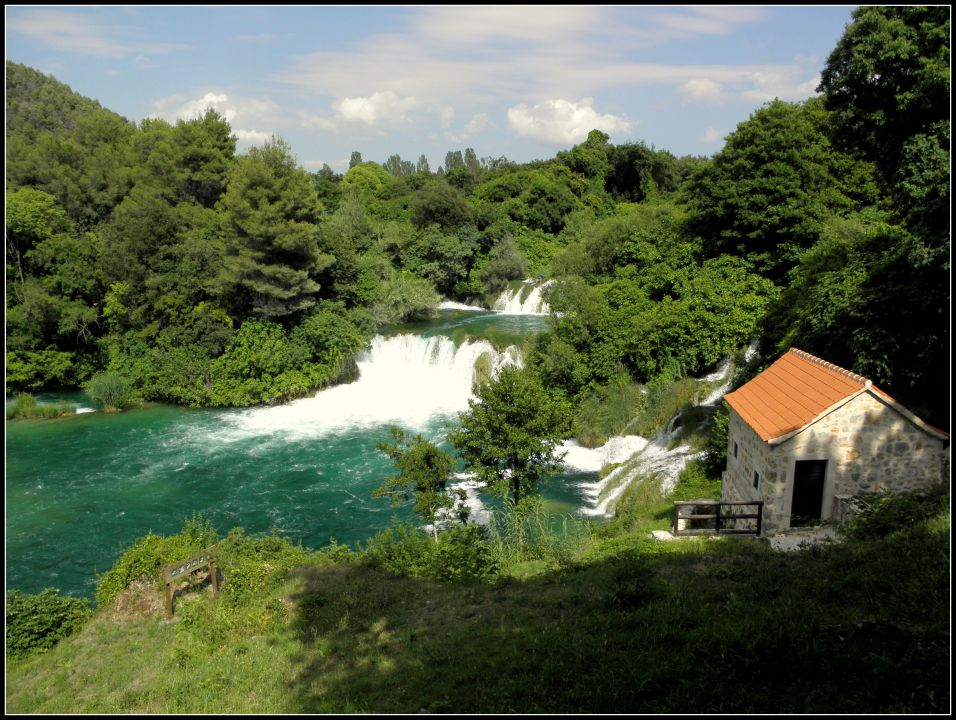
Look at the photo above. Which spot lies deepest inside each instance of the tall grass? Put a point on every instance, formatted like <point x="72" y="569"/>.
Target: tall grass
<point x="607" y="410"/>
<point x="527" y="532"/>
<point x="26" y="406"/>
<point x="667" y="395"/>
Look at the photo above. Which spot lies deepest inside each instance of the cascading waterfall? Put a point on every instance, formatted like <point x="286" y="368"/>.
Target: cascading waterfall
<point x="404" y="380"/>
<point x="639" y="458"/>
<point x="522" y="301"/>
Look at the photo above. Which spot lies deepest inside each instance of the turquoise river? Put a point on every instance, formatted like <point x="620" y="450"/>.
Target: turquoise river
<point x="81" y="489"/>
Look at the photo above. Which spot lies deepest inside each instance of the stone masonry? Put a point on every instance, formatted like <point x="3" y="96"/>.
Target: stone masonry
<point x="869" y="446"/>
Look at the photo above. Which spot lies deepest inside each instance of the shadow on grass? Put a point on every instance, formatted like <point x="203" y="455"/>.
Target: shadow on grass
<point x="712" y="627"/>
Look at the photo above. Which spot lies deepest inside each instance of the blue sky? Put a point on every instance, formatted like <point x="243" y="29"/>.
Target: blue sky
<point x="523" y="82"/>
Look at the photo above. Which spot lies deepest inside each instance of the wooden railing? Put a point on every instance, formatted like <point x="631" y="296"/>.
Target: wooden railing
<point x="718" y="516"/>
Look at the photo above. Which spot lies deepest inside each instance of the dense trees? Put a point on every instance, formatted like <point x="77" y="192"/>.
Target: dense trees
<point x="767" y="192"/>
<point x="270" y="215"/>
<point x="874" y="293"/>
<point x="204" y="277"/>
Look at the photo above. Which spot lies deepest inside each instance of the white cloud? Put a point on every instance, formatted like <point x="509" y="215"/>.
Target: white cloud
<point x="376" y="109"/>
<point x="711" y="135"/>
<point x="480" y="25"/>
<point x="79" y="33"/>
<point x="252" y="137"/>
<point x="242" y="113"/>
<point x="702" y="90"/>
<point x="474" y="126"/>
<point x="767" y="85"/>
<point x="562" y="122"/>
<point x="477" y="123"/>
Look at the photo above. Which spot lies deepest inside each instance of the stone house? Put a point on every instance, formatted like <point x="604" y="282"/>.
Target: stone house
<point x="805" y="436"/>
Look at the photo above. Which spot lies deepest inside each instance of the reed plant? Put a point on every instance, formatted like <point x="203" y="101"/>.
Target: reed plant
<point x="527" y="532"/>
<point x="25" y="406"/>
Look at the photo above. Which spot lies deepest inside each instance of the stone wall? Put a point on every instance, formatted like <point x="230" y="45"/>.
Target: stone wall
<point x="868" y="445"/>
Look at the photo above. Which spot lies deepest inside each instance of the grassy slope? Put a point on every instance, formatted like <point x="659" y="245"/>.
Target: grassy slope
<point x="633" y="626"/>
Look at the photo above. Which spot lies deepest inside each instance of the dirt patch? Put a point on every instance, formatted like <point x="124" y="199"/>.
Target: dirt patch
<point x="141" y="599"/>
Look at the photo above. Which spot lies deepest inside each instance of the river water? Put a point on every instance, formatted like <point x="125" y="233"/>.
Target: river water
<point x="81" y="489"/>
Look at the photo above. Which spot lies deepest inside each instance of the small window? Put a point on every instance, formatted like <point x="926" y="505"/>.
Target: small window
<point x="756" y="479"/>
<point x="735" y="448"/>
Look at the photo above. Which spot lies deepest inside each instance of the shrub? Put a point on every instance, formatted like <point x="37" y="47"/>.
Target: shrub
<point x="402" y="549"/>
<point x="149" y="554"/>
<point x="252" y="564"/>
<point x="113" y="390"/>
<point x="35" y="623"/>
<point x="606" y="411"/>
<point x="463" y="553"/>
<point x="715" y="458"/>
<point x="880" y="514"/>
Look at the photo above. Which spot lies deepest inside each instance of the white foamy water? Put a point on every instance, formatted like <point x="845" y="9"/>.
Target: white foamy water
<point x="405" y="380"/>
<point x="654" y="460"/>
<point x="510" y="302"/>
<point x="452" y="305"/>
<point x="725" y="373"/>
<point x="637" y="456"/>
<point x="640" y="458"/>
<point x="81" y="410"/>
<point x="617" y="449"/>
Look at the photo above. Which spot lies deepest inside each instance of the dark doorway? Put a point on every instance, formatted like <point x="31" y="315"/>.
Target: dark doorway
<point x="808" y="479"/>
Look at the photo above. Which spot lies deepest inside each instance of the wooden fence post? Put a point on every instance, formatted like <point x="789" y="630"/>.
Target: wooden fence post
<point x="169" y="600"/>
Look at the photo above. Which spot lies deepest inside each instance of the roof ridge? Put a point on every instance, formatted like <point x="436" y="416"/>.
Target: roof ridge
<point x="830" y="366"/>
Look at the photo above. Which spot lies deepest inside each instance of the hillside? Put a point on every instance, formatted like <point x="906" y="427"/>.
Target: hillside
<point x="622" y="624"/>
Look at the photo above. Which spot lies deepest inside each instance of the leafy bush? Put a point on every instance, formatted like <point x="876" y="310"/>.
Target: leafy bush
<point x="405" y="296"/>
<point x="667" y="394"/>
<point x="715" y="458"/>
<point x="263" y="363"/>
<point x="255" y="563"/>
<point x="149" y="554"/>
<point x="113" y="390"/>
<point x="402" y="549"/>
<point x="462" y="553"/>
<point x="35" y="370"/>
<point x="880" y="514"/>
<point x="35" y="623"/>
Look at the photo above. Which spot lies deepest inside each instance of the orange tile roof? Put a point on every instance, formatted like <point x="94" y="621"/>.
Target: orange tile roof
<point x="792" y="393"/>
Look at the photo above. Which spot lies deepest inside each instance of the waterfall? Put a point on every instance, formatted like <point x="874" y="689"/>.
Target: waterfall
<point x="403" y="380"/>
<point x="638" y="458"/>
<point x="654" y="460"/>
<point x="523" y="301"/>
<point x="452" y="305"/>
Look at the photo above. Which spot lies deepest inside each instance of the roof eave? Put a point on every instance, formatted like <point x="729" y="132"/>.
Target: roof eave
<point x="924" y="426"/>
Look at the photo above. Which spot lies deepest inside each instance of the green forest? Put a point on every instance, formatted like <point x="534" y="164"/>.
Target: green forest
<point x="150" y="260"/>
